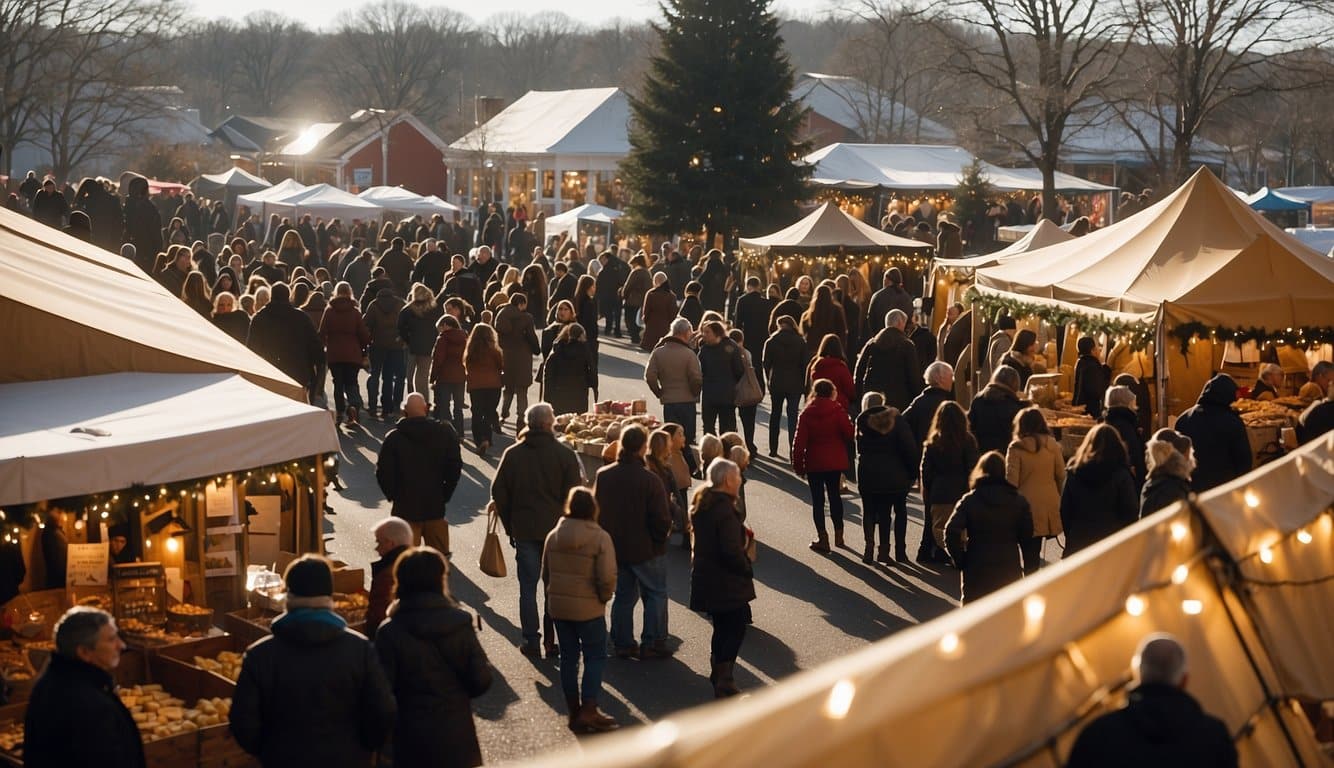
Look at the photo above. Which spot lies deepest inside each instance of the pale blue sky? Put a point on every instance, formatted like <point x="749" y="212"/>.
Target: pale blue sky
<point x="319" y="13"/>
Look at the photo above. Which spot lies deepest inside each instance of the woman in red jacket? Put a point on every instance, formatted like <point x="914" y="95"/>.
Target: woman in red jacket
<point x="447" y="375"/>
<point x="820" y="452"/>
<point x="345" y="338"/>
<point x="830" y="363"/>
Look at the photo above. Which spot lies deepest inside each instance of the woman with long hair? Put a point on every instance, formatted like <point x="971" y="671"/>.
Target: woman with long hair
<point x="434" y="663"/>
<point x="291" y="251"/>
<point x="579" y="571"/>
<point x="1034" y="464"/>
<point x="416" y="327"/>
<point x="824" y="316"/>
<point x="820" y="453"/>
<point x="948" y="456"/>
<point x="676" y="460"/>
<point x="659" y="462"/>
<point x="346" y="340"/>
<point x="533" y="283"/>
<point x="1023" y="356"/>
<point x="586" y="311"/>
<point x="447" y="373"/>
<point x="483" y="364"/>
<point x="225" y="316"/>
<point x="831" y="363"/>
<point x="460" y="310"/>
<point x="195" y="293"/>
<point x="569" y="372"/>
<point x="1099" y="497"/>
<point x="988" y="531"/>
<point x="563" y="315"/>
<point x="226" y="283"/>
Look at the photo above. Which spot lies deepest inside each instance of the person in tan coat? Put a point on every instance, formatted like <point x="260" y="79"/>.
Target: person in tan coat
<point x="1035" y="465"/>
<point x="579" y="569"/>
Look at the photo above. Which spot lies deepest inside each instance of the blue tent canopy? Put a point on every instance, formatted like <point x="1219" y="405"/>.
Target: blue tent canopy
<point x="1269" y="200"/>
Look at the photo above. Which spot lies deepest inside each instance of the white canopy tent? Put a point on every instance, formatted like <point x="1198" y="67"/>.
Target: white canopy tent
<point x="256" y="201"/>
<point x="1040" y="235"/>
<point x="233" y="181"/>
<point x="325" y="201"/>
<point x="828" y="228"/>
<point x="568" y="222"/>
<point x="923" y="167"/>
<point x="400" y="200"/>
<point x="123" y="429"/>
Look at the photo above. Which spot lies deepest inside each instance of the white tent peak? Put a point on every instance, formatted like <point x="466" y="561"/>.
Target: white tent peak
<point x="233" y="175"/>
<point x="915" y="167"/>
<point x="829" y="227"/>
<point x="582" y="121"/>
<point x="405" y="201"/>
<point x="1046" y="232"/>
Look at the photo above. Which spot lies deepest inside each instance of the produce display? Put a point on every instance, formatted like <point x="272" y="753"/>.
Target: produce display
<point x="160" y="715"/>
<point x="1279" y="412"/>
<point x="1067" y="416"/>
<point x="593" y="431"/>
<point x="351" y="606"/>
<point x="227" y="664"/>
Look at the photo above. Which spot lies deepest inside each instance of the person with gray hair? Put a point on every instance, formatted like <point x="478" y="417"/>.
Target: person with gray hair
<point x="393" y="536"/>
<point x="675" y="377"/>
<point x="939" y="378"/>
<point x="1118" y="411"/>
<point x="721" y="581"/>
<point x="991" y="415"/>
<point x="1161" y="724"/>
<point x="77" y="682"/>
<point x="533" y="479"/>
<point x="1267" y="383"/>
<point x="888" y="363"/>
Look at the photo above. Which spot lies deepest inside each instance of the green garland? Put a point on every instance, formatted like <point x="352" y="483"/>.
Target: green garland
<point x="1137" y="334"/>
<point x="1303" y="337"/>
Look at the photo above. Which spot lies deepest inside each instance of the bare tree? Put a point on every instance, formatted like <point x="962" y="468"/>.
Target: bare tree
<point x="271" y="55"/>
<point x="207" y="66"/>
<point x="29" y="32"/>
<point x="1042" y="61"/>
<point x="405" y="58"/>
<point x="532" y="49"/>
<point x="1203" y="54"/>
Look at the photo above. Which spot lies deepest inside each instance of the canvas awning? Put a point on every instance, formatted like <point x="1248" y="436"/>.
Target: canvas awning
<point x="400" y="200"/>
<point x="569" y="221"/>
<point x="1044" y="233"/>
<point x="1269" y="200"/>
<point x="1011" y="679"/>
<point x="924" y="167"/>
<point x="233" y="181"/>
<point x="828" y="228"/>
<point x="323" y="200"/>
<point x="256" y="201"/>
<point x="69" y="311"/>
<point x="78" y="436"/>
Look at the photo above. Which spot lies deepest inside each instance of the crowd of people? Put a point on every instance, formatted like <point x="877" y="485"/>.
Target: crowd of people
<point x="865" y="383"/>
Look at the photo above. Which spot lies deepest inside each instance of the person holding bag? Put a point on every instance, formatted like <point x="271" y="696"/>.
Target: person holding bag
<point x="749" y="390"/>
<point x="579" y="569"/>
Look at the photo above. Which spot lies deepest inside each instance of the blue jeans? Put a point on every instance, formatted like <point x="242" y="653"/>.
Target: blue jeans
<point x="777" y="405"/>
<point x="648" y="579"/>
<point x="528" y="562"/>
<point x="683" y="414"/>
<point x="590" y="637"/>
<point x="385" y="384"/>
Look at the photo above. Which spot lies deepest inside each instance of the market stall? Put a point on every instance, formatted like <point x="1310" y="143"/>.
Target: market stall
<point x="592" y="436"/>
<point x="228" y="185"/>
<point x="401" y="201"/>
<point x="1181" y="278"/>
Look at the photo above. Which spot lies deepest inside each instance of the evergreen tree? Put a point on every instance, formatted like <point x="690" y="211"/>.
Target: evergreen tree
<point x="713" y="139"/>
<point x="970" y="199"/>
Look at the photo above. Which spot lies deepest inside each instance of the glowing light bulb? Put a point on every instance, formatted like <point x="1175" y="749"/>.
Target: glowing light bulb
<point x="1179" y="531"/>
<point x="950" y="644"/>
<point x="1180" y="573"/>
<point x="1192" y="607"/>
<point x="1266" y="555"/>
<point x="1251" y="499"/>
<point x="840" y="700"/>
<point x="105" y="515"/>
<point x="1035" y="606"/>
<point x="148" y="543"/>
<point x="1304" y="536"/>
<point x="1135" y="605"/>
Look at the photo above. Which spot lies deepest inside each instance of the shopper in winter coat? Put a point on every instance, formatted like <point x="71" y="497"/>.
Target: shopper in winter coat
<point x="1022" y="357"/>
<point x="829" y="363"/>
<point x="1092" y="377"/>
<point x="76" y="690"/>
<point x="949" y="241"/>
<point x="418" y="469"/>
<point x="659" y="309"/>
<point x="820" y="453"/>
<point x="518" y="341"/>
<point x="939" y="378"/>
<point x="313" y="692"/>
<point x="721" y="365"/>
<point x="824" y="316"/>
<point x="752" y="317"/>
<point x="1169" y="457"/>
<point x="568" y="373"/>
<point x="948" y="457"/>
<point x="890" y="296"/>
<point x="393" y="537"/>
<point x="227" y="317"/>
<point x="721" y="581"/>
<point x="434" y="664"/>
<point x="483" y="367"/>
<point x="283" y="335"/>
<point x="607" y="288"/>
<point x="1119" y="412"/>
<point x="397" y="266"/>
<point x="991" y="416"/>
<point x="691" y="307"/>
<point x="888" y="364"/>
<point x="1222" y="449"/>
<point x="785" y="358"/>
<point x="637" y="285"/>
<point x="1034" y="464"/>
<point x="416" y="327"/>
<point x="143" y="223"/>
<point x="579" y="569"/>
<point x="888" y="458"/>
<point x="1099" y="496"/>
<point x="384" y="386"/>
<point x="988" y="531"/>
<point x="104" y="213"/>
<point x="345" y="337"/>
<point x="448" y="378"/>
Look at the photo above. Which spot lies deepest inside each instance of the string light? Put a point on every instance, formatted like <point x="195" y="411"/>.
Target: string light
<point x="1266" y="555"/>
<point x="951" y="645"/>
<point x="840" y="698"/>
<point x="1135" y="605"/>
<point x="1304" y="536"/>
<point x="1252" y="501"/>
<point x="1179" y="531"/>
<point x="1180" y="574"/>
<point x="1192" y="607"/>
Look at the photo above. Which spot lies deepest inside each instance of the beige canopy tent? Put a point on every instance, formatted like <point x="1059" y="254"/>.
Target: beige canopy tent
<point x="828" y="228"/>
<point x="70" y="309"/>
<point x="954" y="276"/>
<point x="1201" y="255"/>
<point x="1012" y="678"/>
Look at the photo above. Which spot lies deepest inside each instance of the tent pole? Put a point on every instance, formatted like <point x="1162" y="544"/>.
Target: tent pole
<point x="1160" y="364"/>
<point x="319" y="504"/>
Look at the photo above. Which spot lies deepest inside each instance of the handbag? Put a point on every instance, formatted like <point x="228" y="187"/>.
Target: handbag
<point x="492" y="561"/>
<point x="752" y="549"/>
<point x="748" y="390"/>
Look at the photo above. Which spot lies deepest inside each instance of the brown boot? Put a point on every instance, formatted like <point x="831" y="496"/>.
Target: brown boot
<point x="821" y="544"/>
<point x="724" y="685"/>
<point x="592" y="720"/>
<point x="838" y="538"/>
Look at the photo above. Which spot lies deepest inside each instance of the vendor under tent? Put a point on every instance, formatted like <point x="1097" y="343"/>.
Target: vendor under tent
<point x="65" y="315"/>
<point x="569" y="221"/>
<point x="1198" y="267"/>
<point x="228" y="185"/>
<point x="1011" y="679"/>
<point x="401" y="201"/>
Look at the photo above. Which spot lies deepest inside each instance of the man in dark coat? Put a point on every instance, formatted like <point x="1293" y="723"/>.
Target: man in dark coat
<point x="562" y="286"/>
<point x="722" y="367"/>
<point x="188" y="211"/>
<point x="30" y="187"/>
<point x="677" y="270"/>
<point x="919" y="414"/>
<point x="888" y="364"/>
<point x="313" y="692"/>
<point x="431" y="266"/>
<point x="922" y="340"/>
<point x="357" y="268"/>
<point x="461" y="282"/>
<point x="1091" y="378"/>
<point x="751" y="315"/>
<point x="143" y="223"/>
<point x="1161" y="724"/>
<point x="484" y="266"/>
<point x="418" y="470"/>
<point x="309" y="239"/>
<point x="49" y="206"/>
<point x="104" y="213"/>
<point x="991" y="414"/>
<point x="393" y="537"/>
<point x="1316" y="420"/>
<point x="891" y="296"/>
<point x="1222" y="448"/>
<point x="285" y="336"/>
<point x="609" y="282"/>
<point x="785" y="357"/>
<point x="397" y="266"/>
<point x="634" y="508"/>
<point x="713" y="282"/>
<point x="77" y="687"/>
<point x="520" y="243"/>
<point x="533" y="479"/>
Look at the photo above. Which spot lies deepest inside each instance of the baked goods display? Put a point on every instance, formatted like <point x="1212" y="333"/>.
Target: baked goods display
<point x="1280" y="412"/>
<point x="227" y="664"/>
<point x="351" y="606"/>
<point x="159" y="715"/>
<point x="592" y="432"/>
<point x="11" y="739"/>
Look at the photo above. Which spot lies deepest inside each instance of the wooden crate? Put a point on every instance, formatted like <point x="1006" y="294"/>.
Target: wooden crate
<point x="186" y="681"/>
<point x="241" y="624"/>
<point x="179" y="751"/>
<point x="218" y="749"/>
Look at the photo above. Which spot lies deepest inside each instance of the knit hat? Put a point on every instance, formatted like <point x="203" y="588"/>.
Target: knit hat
<point x="309" y="576"/>
<point x="1005" y="323"/>
<point x="1179" y="441"/>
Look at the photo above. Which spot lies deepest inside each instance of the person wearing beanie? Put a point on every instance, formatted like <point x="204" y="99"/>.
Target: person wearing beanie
<point x="1170" y="460"/>
<point x="313" y="692"/>
<point x="1222" y="449"/>
<point x="1091" y="377"/>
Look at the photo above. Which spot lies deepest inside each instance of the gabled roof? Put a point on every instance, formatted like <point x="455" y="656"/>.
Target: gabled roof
<point x="252" y="133"/>
<point x="585" y="121"/>
<point x="1102" y="135"/>
<point x="1046" y="232"/>
<point x="828" y="228"/>
<point x="851" y="103"/>
<point x="919" y="167"/>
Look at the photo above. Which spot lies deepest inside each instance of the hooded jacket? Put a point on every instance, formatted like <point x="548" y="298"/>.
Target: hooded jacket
<point x="344" y="331"/>
<point x="888" y="364"/>
<point x="1097" y="501"/>
<point x="382" y="320"/>
<point x="1160" y="727"/>
<point x="312" y="693"/>
<point x="823" y="435"/>
<point x="1035" y="465"/>
<point x="991" y="417"/>
<point x="447" y="357"/>
<point x="579" y="569"/>
<point x="1169" y="477"/>
<point x="985" y="535"/>
<point x="1126" y="424"/>
<point x="419" y="467"/>
<point x="416" y="327"/>
<point x="1222" y="449"/>
<point x="568" y="374"/>
<point x="887" y="454"/>
<point x="435" y="666"/>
